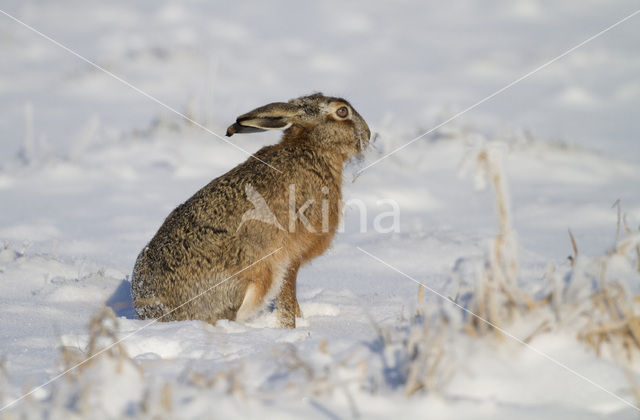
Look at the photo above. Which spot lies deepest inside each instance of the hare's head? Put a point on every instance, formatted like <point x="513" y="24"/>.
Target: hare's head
<point x="330" y="121"/>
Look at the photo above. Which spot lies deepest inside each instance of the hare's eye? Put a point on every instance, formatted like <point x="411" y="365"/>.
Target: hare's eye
<point x="342" y="112"/>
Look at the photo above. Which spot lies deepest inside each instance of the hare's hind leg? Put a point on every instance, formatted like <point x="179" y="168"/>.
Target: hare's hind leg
<point x="286" y="301"/>
<point x="253" y="298"/>
<point x="261" y="281"/>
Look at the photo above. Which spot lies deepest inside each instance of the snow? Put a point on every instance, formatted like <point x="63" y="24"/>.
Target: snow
<point x="89" y="169"/>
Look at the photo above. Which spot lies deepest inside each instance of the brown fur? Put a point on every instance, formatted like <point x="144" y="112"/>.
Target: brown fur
<point x="200" y="249"/>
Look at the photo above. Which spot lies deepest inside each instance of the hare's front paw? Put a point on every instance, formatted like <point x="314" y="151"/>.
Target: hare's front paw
<point x="286" y="319"/>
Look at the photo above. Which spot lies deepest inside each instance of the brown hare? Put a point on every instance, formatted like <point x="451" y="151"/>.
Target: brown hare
<point x="239" y="241"/>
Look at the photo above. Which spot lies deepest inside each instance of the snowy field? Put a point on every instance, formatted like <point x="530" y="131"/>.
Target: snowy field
<point x="90" y="167"/>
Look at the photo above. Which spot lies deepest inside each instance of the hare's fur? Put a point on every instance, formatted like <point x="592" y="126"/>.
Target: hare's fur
<point x="207" y="262"/>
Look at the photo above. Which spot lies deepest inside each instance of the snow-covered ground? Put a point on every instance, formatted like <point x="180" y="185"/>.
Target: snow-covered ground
<point x="89" y="168"/>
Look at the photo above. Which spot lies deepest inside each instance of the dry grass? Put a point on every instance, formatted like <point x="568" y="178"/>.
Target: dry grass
<point x="496" y="296"/>
<point x="612" y="327"/>
<point x="430" y="368"/>
<point x="631" y="236"/>
<point x="229" y="381"/>
<point x="294" y="374"/>
<point x="85" y="379"/>
<point x="613" y="316"/>
<point x="607" y="317"/>
<point x="103" y="342"/>
<point x="416" y="355"/>
<point x="612" y="320"/>
<point x="574" y="246"/>
<point x="338" y="375"/>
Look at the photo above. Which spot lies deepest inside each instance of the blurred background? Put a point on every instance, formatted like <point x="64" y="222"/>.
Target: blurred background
<point x="404" y="64"/>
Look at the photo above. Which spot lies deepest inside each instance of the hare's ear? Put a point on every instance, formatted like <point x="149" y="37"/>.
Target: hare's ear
<point x="278" y="115"/>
